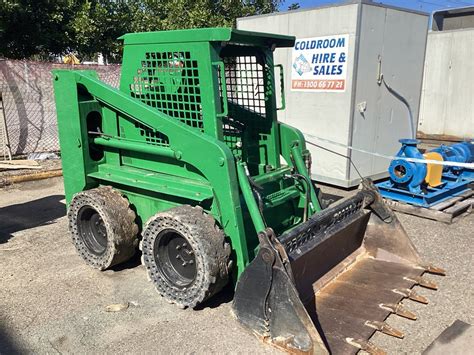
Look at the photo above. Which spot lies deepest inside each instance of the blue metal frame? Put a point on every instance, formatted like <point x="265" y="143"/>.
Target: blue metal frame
<point x="466" y="174"/>
<point x="430" y="197"/>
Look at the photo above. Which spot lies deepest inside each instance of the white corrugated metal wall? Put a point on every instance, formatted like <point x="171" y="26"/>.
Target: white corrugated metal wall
<point x="447" y="101"/>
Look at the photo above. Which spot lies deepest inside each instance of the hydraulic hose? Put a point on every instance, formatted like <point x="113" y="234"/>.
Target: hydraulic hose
<point x="299" y="165"/>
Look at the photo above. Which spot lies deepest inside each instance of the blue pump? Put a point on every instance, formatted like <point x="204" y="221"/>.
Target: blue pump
<point x="460" y="153"/>
<point x="406" y="181"/>
<point x="407" y="174"/>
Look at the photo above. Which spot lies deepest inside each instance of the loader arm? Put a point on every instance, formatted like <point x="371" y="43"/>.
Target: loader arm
<point x="293" y="150"/>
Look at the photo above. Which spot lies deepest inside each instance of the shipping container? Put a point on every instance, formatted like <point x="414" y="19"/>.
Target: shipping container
<point x="353" y="77"/>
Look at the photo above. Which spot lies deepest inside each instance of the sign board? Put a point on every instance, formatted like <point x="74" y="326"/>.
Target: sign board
<point x="320" y="64"/>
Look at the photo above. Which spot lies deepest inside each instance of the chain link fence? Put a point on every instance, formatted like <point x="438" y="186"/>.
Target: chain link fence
<point x="28" y="99"/>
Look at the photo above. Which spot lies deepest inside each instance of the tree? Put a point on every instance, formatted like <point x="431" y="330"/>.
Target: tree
<point x="97" y="25"/>
<point x="42" y="28"/>
<point x="160" y="15"/>
<point x="35" y="27"/>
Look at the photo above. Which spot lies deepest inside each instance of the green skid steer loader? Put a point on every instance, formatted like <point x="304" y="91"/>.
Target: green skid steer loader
<point x="188" y="160"/>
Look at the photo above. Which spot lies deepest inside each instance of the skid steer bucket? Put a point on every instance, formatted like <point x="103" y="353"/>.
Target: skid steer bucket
<point x="328" y="284"/>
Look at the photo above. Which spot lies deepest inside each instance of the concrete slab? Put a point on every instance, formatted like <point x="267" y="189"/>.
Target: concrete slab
<point x="51" y="302"/>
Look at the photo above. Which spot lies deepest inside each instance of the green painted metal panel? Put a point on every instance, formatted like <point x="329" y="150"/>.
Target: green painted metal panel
<point x="158" y="182"/>
<point x="217" y="34"/>
<point x="73" y="134"/>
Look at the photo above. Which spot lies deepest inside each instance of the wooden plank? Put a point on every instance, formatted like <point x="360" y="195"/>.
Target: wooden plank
<point x="19" y="164"/>
<point x="17" y="167"/>
<point x="8" y="180"/>
<point x="445" y="211"/>
<point x="460" y="207"/>
<point x="445" y="204"/>
<point x="468" y="193"/>
<point x="421" y="212"/>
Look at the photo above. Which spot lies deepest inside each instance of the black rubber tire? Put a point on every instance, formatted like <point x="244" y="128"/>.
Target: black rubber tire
<point x="210" y="253"/>
<point x="108" y="207"/>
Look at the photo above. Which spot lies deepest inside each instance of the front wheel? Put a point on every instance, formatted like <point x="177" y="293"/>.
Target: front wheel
<point x="185" y="255"/>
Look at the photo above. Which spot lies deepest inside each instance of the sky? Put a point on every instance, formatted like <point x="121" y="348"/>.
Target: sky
<point x="422" y="5"/>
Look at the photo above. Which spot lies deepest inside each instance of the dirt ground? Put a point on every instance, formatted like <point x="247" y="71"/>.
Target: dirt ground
<point x="51" y="302"/>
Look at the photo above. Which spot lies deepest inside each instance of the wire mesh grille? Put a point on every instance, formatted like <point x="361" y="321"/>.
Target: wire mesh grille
<point x="245" y="84"/>
<point x="169" y="82"/>
<point x="232" y="132"/>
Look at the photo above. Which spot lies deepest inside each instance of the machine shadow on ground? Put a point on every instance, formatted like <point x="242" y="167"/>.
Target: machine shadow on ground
<point x="31" y="214"/>
<point x="226" y="295"/>
<point x="7" y="345"/>
<point x="132" y="263"/>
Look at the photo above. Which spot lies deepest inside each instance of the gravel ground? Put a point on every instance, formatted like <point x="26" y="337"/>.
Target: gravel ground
<point x="50" y="301"/>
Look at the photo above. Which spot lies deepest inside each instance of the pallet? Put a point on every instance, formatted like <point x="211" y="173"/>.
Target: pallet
<point x="444" y="211"/>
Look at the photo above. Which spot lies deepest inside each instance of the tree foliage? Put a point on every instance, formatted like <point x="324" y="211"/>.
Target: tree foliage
<point x="38" y="27"/>
<point x="45" y="28"/>
<point x="98" y="24"/>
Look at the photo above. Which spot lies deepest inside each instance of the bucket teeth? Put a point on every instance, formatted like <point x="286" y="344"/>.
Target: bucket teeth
<point x="434" y="270"/>
<point x="411" y="294"/>
<point x="422" y="282"/>
<point x="385" y="328"/>
<point x="399" y="310"/>
<point x="366" y="345"/>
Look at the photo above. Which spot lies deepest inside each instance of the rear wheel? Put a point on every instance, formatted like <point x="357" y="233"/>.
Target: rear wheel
<point x="185" y="255"/>
<point x="103" y="227"/>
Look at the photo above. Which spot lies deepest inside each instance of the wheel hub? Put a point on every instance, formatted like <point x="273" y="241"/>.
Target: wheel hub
<point x="175" y="258"/>
<point x="184" y="254"/>
<point x="92" y="230"/>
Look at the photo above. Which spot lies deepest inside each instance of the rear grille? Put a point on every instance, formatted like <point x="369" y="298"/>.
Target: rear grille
<point x="245" y="83"/>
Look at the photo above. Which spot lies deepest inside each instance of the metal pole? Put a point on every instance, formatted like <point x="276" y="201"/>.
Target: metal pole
<point x="137" y="147"/>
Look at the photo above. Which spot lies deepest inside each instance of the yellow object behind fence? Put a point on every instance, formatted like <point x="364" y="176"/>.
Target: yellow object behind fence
<point x="71" y="59"/>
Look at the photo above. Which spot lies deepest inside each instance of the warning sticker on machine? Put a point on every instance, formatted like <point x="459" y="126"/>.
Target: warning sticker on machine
<point x="320" y="64"/>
